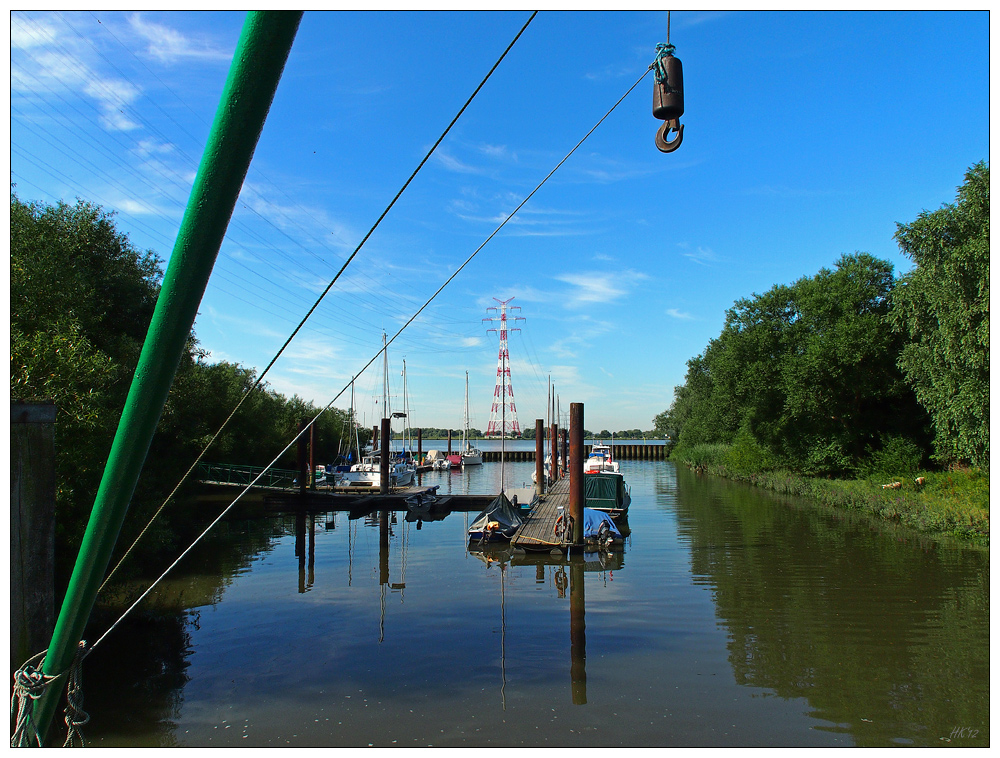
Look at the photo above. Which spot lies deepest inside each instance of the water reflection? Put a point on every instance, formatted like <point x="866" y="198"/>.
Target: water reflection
<point x="848" y="613"/>
<point x="742" y="620"/>
<point x="569" y="571"/>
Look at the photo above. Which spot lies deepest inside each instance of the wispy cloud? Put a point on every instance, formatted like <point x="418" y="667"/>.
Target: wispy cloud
<point x="591" y="290"/>
<point x="704" y="256"/>
<point x="167" y="45"/>
<point x="451" y="163"/>
<point x="674" y="313"/>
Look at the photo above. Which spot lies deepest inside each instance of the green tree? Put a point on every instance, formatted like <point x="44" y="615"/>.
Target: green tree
<point x="807" y="371"/>
<point x="942" y="305"/>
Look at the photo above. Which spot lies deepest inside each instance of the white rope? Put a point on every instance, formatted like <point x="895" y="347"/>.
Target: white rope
<point x="30" y="683"/>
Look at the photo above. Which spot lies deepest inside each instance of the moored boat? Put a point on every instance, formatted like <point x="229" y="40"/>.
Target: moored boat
<point x="608" y="492"/>
<point x="600" y="459"/>
<point x="497" y="523"/>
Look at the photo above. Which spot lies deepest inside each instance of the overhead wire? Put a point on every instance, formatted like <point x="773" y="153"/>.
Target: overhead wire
<point x="308" y="426"/>
<point x="315" y="305"/>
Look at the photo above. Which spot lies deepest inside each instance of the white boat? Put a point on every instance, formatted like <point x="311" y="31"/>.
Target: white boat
<point x="437" y="460"/>
<point x="368" y="473"/>
<point x="471" y="456"/>
<point x="600" y="460"/>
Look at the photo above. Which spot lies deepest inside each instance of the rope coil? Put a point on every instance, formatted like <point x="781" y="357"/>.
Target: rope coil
<point x="30" y="683"/>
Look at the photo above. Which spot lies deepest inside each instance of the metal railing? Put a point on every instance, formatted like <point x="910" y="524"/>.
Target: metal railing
<point x="227" y="473"/>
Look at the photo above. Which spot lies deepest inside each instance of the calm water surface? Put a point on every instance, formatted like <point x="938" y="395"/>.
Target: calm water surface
<point x="732" y="618"/>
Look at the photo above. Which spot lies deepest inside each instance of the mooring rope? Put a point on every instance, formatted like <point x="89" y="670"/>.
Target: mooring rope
<point x="30" y="683"/>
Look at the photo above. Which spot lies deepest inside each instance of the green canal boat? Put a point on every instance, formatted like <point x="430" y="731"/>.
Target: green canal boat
<point x="608" y="492"/>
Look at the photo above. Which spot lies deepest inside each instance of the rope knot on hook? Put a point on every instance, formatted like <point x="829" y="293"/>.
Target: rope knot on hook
<point x="663" y="51"/>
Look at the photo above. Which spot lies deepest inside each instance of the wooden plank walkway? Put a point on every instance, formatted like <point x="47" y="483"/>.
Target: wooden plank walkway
<point x="538" y="531"/>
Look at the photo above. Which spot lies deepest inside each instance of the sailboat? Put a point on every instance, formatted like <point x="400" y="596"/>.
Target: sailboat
<point x="471" y="456"/>
<point x="368" y="473"/>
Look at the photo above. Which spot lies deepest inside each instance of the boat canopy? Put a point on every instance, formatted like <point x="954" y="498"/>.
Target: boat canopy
<point x="592" y="521"/>
<point x="500" y="511"/>
<point x="604" y="490"/>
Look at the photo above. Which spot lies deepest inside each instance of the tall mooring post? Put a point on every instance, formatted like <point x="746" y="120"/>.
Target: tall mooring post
<point x="565" y="452"/>
<point x="420" y="447"/>
<point x="303" y="459"/>
<point x="384" y="459"/>
<point x="449" y="442"/>
<point x="554" y="451"/>
<point x="312" y="457"/>
<point x="577" y="490"/>
<point x="32" y="528"/>
<point x="539" y="455"/>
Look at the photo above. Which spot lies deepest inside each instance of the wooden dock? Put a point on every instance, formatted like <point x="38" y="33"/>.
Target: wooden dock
<point x="538" y="533"/>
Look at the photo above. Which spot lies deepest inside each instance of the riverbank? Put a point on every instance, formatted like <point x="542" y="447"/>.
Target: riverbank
<point x="954" y="503"/>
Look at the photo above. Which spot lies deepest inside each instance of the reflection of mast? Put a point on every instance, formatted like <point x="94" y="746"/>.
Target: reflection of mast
<point x="383" y="568"/>
<point x="577" y="631"/>
<point x="503" y="640"/>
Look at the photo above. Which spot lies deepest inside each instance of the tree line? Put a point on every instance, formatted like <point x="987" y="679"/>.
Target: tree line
<point x="843" y="372"/>
<point x="82" y="297"/>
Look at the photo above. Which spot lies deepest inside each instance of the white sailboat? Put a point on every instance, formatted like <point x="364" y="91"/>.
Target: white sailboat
<point x="471" y="456"/>
<point x="368" y="473"/>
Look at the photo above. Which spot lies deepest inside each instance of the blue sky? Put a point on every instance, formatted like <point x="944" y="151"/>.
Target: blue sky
<point x="807" y="136"/>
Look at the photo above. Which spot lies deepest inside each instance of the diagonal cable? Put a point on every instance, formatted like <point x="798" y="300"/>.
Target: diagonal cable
<point x="315" y="305"/>
<point x="329" y="405"/>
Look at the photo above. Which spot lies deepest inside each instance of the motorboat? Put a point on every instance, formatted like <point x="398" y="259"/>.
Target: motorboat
<point x="601" y="460"/>
<point x="607" y="492"/>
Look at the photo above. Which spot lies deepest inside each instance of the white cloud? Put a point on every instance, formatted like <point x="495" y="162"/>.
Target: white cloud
<point x="168" y="45"/>
<point x="674" y="313"/>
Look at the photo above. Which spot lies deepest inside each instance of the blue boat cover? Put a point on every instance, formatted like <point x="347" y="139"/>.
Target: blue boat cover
<point x="592" y="521"/>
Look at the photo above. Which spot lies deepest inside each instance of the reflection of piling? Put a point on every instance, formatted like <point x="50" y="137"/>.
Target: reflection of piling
<point x="383" y="547"/>
<point x="300" y="550"/>
<point x="577" y="631"/>
<point x="384" y="460"/>
<point x="577" y="493"/>
<point x="312" y="551"/>
<point x="539" y="454"/>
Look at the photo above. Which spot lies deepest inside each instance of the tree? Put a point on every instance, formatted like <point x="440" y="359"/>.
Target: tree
<point x="942" y="305"/>
<point x="807" y="370"/>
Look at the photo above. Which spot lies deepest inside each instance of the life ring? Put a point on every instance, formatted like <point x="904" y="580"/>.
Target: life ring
<point x="559" y="529"/>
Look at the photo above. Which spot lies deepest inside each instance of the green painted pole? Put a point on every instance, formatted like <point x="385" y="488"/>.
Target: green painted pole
<point x="253" y="78"/>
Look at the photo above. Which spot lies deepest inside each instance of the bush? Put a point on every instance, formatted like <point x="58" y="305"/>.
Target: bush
<point x="898" y="457"/>
<point x="746" y="455"/>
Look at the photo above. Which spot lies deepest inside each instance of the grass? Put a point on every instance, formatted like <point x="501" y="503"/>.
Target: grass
<point x="955" y="503"/>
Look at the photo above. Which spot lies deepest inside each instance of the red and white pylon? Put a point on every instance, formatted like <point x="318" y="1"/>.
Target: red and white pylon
<point x="503" y="415"/>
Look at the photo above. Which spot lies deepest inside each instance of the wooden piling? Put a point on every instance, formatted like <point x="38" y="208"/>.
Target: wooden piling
<point x="384" y="460"/>
<point x="420" y="446"/>
<point x="303" y="460"/>
<point x="32" y="528"/>
<point x="539" y="455"/>
<point x="577" y="493"/>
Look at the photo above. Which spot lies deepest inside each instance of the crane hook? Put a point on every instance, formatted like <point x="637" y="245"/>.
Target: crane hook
<point x="668" y="97"/>
<point x="662" y="144"/>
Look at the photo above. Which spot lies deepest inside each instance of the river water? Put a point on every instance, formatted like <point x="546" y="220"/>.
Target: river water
<point x="733" y="618"/>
